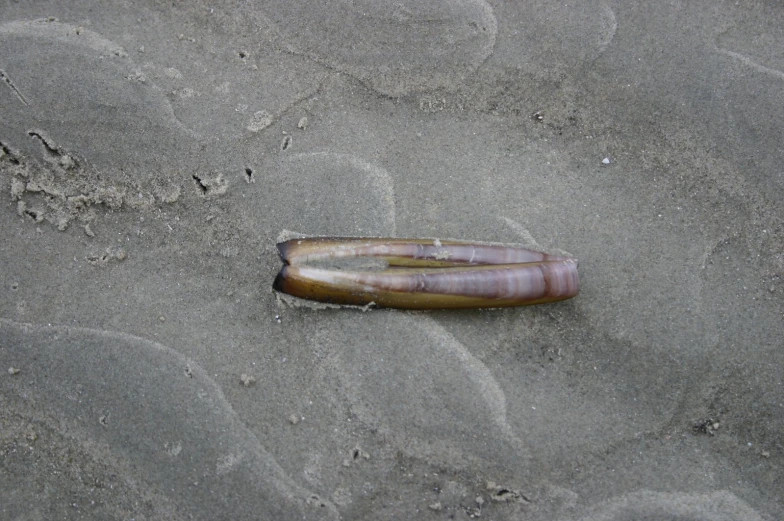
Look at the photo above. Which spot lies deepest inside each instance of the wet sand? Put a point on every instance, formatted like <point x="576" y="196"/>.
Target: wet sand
<point x="152" y="155"/>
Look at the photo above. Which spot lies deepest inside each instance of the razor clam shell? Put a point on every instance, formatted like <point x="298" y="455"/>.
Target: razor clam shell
<point x="464" y="287"/>
<point x="406" y="252"/>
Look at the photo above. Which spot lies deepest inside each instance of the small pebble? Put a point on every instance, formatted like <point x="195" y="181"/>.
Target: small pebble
<point x="765" y="454"/>
<point x="606" y="161"/>
<point x="303" y="123"/>
<point x="13" y="370"/>
<point x="247" y="380"/>
<point x="294" y="419"/>
<point x="435" y="506"/>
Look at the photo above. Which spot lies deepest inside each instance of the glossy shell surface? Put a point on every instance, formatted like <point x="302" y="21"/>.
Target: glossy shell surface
<point x="424" y="273"/>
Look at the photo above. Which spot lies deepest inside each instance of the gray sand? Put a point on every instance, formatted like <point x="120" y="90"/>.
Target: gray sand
<point x="151" y="155"/>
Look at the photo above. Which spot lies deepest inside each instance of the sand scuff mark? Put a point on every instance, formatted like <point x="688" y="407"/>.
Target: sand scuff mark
<point x="64" y="187"/>
<point x="134" y="397"/>
<point x="109" y="254"/>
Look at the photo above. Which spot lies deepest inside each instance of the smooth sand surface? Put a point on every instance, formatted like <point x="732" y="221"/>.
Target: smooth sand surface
<point x="151" y="154"/>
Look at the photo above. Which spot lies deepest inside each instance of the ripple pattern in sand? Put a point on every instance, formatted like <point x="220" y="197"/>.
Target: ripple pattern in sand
<point x="427" y="393"/>
<point x="395" y="48"/>
<point x="64" y="72"/>
<point x="331" y="193"/>
<point x="162" y="415"/>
